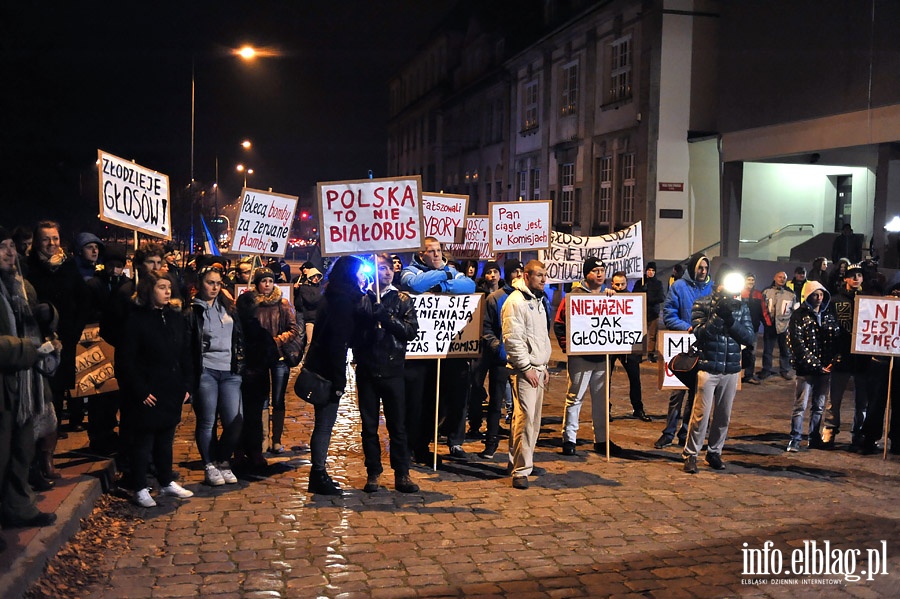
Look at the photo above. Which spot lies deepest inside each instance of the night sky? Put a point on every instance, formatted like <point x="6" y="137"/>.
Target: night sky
<point x="78" y="76"/>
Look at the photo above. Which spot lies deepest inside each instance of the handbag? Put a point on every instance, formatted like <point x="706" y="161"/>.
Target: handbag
<point x="684" y="366"/>
<point x="292" y="351"/>
<point x="312" y="387"/>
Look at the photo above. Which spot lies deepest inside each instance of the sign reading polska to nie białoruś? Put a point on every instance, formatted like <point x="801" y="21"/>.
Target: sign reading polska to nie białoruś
<point x="605" y="324"/>
<point x="133" y="196"/>
<point x="264" y="223"/>
<point x="370" y="216"/>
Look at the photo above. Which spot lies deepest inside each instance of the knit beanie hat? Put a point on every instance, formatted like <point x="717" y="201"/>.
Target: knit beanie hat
<point x="490" y="265"/>
<point x="590" y="263"/>
<point x="262" y="273"/>
<point x="509" y="266"/>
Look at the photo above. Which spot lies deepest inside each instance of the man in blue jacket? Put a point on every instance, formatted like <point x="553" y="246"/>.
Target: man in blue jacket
<point x="694" y="284"/>
<point x="427" y="272"/>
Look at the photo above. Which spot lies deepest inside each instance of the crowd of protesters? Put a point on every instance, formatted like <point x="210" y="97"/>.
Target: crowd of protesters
<point x="225" y="341"/>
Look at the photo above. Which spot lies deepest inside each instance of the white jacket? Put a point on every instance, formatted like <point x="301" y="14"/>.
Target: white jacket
<point x="525" y="333"/>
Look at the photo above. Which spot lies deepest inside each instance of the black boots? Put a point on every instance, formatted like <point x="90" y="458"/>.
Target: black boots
<point x="321" y="483"/>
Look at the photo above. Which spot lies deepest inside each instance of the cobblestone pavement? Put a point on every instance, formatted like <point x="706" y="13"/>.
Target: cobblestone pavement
<point x="635" y="526"/>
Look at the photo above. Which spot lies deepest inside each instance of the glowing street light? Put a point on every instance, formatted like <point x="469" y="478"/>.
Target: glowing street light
<point x="246" y="171"/>
<point x="246" y="144"/>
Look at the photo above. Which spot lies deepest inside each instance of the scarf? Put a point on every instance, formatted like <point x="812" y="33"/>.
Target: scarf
<point x="31" y="381"/>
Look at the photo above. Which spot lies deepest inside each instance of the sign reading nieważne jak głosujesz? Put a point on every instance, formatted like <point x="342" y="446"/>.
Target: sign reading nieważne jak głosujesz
<point x="876" y="326"/>
<point x="621" y="250"/>
<point x="133" y="196"/>
<point x="449" y="326"/>
<point x="444" y="216"/>
<point x="520" y="226"/>
<point x="605" y="324"/>
<point x="264" y="223"/>
<point x="370" y="216"/>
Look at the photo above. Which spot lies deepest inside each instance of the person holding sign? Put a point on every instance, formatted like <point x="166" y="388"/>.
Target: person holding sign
<point x="630" y="362"/>
<point x="813" y="335"/>
<point x="388" y="323"/>
<point x="847" y="364"/>
<point x="584" y="371"/>
<point x="721" y="324"/>
<point x="693" y="284"/>
<point x="428" y="273"/>
<point x="526" y="337"/>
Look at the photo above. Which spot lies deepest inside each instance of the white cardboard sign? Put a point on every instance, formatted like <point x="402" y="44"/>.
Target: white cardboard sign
<point x="444" y="216"/>
<point x="605" y="324"/>
<point x="671" y="343"/>
<point x="370" y="216"/>
<point x="520" y="226"/>
<point x="449" y="326"/>
<point x="477" y="244"/>
<point x="264" y="223"/>
<point x="133" y="196"/>
<point x="876" y="326"/>
<point x="622" y="250"/>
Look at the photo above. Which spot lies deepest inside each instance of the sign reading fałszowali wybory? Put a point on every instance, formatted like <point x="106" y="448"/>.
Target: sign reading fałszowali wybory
<point x="264" y="223"/>
<point x="444" y="215"/>
<point x="133" y="196"/>
<point x="370" y="216"/>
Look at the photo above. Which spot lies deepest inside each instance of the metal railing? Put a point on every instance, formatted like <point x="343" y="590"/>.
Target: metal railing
<point x="774" y="233"/>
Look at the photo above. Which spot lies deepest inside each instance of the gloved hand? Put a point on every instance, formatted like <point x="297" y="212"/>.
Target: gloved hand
<point x="380" y="312"/>
<point x="724" y="311"/>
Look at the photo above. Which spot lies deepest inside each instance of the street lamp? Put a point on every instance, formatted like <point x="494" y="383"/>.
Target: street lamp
<point x="246" y="171"/>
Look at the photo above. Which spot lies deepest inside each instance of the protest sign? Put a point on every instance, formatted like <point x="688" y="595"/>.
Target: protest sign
<point x="670" y="343"/>
<point x="264" y="223"/>
<point x="520" y="226"/>
<point x="449" y="326"/>
<point x="94" y="364"/>
<point x="477" y="245"/>
<point x="605" y="324"/>
<point x="134" y="197"/>
<point x="444" y="216"/>
<point x="370" y="216"/>
<point x="876" y="326"/>
<point x="622" y="250"/>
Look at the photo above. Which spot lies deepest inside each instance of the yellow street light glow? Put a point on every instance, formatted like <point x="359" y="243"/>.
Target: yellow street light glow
<point x="246" y="144"/>
<point x="247" y="52"/>
<point x="240" y="168"/>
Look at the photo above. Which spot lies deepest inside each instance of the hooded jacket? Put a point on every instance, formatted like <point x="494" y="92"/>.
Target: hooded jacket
<point x="682" y="295"/>
<point x="418" y="277"/>
<point x="813" y="335"/>
<point x="492" y="325"/>
<point x="720" y="343"/>
<point x="525" y="334"/>
<point x="559" y="322"/>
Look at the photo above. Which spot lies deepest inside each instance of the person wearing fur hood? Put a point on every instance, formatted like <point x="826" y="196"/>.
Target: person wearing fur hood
<point x="812" y="333"/>
<point x="270" y="331"/>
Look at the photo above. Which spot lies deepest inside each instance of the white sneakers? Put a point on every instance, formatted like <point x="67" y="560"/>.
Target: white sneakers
<point x="227" y="475"/>
<point x="143" y="499"/>
<point x="175" y="490"/>
<point x="214" y="476"/>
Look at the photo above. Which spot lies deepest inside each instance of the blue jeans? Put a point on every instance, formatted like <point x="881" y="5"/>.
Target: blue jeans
<point x="811" y="389"/>
<point x="219" y="393"/>
<point x="770" y="338"/>
<point x="325" y="418"/>
<point x="674" y="414"/>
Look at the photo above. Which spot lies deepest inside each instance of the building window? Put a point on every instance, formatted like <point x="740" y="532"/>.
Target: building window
<point x="569" y="89"/>
<point x="530" y="106"/>
<point x="523" y="181"/>
<point x="604" y="205"/>
<point x="626" y="162"/>
<point x="567" y="199"/>
<point x="535" y="184"/>
<point x="620" y="71"/>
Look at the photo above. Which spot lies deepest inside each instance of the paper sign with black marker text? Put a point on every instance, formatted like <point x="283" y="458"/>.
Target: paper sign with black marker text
<point x="520" y="226"/>
<point x="133" y="196"/>
<point x="669" y="344"/>
<point x="449" y="326"/>
<point x="370" y="216"/>
<point x="477" y="244"/>
<point x="605" y="324"/>
<point x="444" y="216"/>
<point x="622" y="250"/>
<point x="264" y="223"/>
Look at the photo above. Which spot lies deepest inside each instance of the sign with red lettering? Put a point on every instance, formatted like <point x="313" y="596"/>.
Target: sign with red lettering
<point x="444" y="216"/>
<point x="520" y="226"/>
<point x="264" y="223"/>
<point x="134" y="197"/>
<point x="477" y="245"/>
<point x="370" y="215"/>
<point x="669" y="344"/>
<point x="876" y="326"/>
<point x="605" y="324"/>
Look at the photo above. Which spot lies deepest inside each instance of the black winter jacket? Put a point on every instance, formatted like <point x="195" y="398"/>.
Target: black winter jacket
<point x="843" y="306"/>
<point x="380" y="351"/>
<point x="337" y="321"/>
<point x="720" y="344"/>
<point x="813" y="339"/>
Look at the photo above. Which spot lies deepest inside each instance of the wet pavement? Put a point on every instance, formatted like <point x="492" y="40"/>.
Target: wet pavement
<point x="635" y="526"/>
